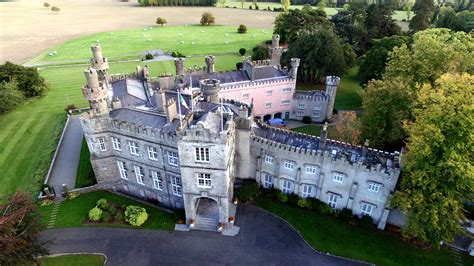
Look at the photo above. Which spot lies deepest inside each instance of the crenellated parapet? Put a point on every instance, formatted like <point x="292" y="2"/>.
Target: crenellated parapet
<point x="158" y="135"/>
<point x="315" y="96"/>
<point x="255" y="83"/>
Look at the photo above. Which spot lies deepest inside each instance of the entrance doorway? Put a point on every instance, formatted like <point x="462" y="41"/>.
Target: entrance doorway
<point x="207" y="207"/>
<point x="277" y="115"/>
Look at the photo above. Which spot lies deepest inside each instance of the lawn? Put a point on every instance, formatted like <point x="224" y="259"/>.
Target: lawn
<point x="73" y="213"/>
<point x="85" y="175"/>
<point x="189" y="40"/>
<point x="347" y="97"/>
<point x="73" y="260"/>
<point x="326" y="234"/>
<point x="315" y="130"/>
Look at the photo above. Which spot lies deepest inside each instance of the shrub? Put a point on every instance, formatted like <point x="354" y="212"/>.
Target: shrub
<point x="260" y="52"/>
<point x="293" y="200"/>
<point x="178" y="54"/>
<point x="242" y="29"/>
<point x="250" y="7"/>
<point x="239" y="65"/>
<point x="242" y="51"/>
<point x="46" y="4"/>
<point x="106" y="217"/>
<point x="304" y="203"/>
<point x="160" y="21"/>
<point x="95" y="214"/>
<point x="112" y="210"/>
<point x="325" y="209"/>
<point x="72" y="195"/>
<point x="247" y="192"/>
<point x="315" y="203"/>
<point x="366" y="222"/>
<point x="69" y="107"/>
<point x="345" y="215"/>
<point x="103" y="204"/>
<point x="135" y="215"/>
<point x="282" y="197"/>
<point x="207" y="19"/>
<point x="119" y="217"/>
<point x="148" y="56"/>
<point x="307" y="119"/>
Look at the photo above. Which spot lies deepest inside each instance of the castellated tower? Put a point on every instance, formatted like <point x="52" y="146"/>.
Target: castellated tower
<point x="210" y="89"/>
<point x="179" y="64"/>
<point x="295" y="63"/>
<point x="206" y="153"/>
<point x="95" y="92"/>
<point x="100" y="63"/>
<point x="210" y="61"/>
<point x="275" y="51"/>
<point x="331" y="88"/>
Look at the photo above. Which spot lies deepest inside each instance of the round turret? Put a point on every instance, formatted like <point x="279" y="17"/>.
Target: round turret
<point x="295" y="63"/>
<point x="275" y="40"/>
<point x="92" y="78"/>
<point x="210" y="89"/>
<point x="95" y="92"/>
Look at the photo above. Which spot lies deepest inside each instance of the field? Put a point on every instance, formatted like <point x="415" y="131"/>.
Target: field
<point x="73" y="260"/>
<point x="189" y="40"/>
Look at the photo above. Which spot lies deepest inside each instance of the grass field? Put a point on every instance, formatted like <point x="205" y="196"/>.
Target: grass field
<point x="315" y="130"/>
<point x="189" y="40"/>
<point x="327" y="234"/>
<point x="85" y="175"/>
<point x="330" y="11"/>
<point x="73" y="213"/>
<point x="73" y="260"/>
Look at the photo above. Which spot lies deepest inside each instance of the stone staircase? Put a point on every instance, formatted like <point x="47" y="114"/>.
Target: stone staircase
<point x="54" y="213"/>
<point x="206" y="223"/>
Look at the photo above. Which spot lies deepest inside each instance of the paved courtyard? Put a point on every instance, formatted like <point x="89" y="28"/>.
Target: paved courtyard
<point x="263" y="240"/>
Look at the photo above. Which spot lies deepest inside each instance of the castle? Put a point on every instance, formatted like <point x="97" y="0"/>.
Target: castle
<point x="183" y="141"/>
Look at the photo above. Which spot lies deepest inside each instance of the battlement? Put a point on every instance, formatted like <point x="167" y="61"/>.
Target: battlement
<point x="333" y="80"/>
<point x="374" y="160"/>
<point x="315" y="95"/>
<point x="254" y="83"/>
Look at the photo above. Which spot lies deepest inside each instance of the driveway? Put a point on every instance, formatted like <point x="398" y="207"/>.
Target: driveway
<point x="65" y="166"/>
<point x="264" y="239"/>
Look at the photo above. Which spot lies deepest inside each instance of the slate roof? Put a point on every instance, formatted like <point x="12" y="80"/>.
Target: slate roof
<point x="144" y="118"/>
<point x="130" y="92"/>
<point x="335" y="148"/>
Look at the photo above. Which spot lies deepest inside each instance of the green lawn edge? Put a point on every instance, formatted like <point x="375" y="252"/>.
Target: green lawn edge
<point x="327" y="234"/>
<point x="73" y="260"/>
<point x="73" y="213"/>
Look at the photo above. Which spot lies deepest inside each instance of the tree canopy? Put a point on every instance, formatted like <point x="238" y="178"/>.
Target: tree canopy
<point x="207" y="19"/>
<point x="30" y="83"/>
<point x="10" y="96"/>
<point x="20" y="226"/>
<point x="439" y="171"/>
<point x="424" y="11"/>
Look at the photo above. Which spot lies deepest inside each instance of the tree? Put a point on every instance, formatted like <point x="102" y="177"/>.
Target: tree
<point x="160" y="21"/>
<point x="348" y="128"/>
<point x="379" y="22"/>
<point x="20" y="226"/>
<point x="10" y="96"/>
<point x="30" y="83"/>
<point x="288" y="24"/>
<point x="462" y="21"/>
<point x="372" y="64"/>
<point x="259" y="52"/>
<point x="424" y="11"/>
<point x="46" y="4"/>
<point x="322" y="4"/>
<point x="242" y="51"/>
<point x="207" y="19"/>
<point x="385" y="106"/>
<point x="285" y="4"/>
<point x="388" y="102"/>
<point x="242" y="29"/>
<point x="439" y="171"/>
<point x="55" y="9"/>
<point x="321" y="53"/>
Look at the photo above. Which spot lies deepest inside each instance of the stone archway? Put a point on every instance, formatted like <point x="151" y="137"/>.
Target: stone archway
<point x="207" y="214"/>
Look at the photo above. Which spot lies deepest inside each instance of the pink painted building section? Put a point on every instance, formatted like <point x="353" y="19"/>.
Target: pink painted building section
<point x="270" y="97"/>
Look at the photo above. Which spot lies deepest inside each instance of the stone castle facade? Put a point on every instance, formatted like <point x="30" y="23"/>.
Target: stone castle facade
<point x="183" y="141"/>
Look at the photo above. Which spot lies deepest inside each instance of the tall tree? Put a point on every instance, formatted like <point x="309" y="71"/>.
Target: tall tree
<point x="424" y="11"/>
<point x="439" y="170"/>
<point x="348" y="127"/>
<point x="288" y="24"/>
<point x="372" y="64"/>
<point x="30" y="83"/>
<point x="433" y="53"/>
<point x="285" y="4"/>
<point x="379" y="22"/>
<point x="321" y="53"/>
<point x="20" y="226"/>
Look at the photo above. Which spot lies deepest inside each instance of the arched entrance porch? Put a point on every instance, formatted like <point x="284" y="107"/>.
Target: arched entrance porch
<point x="207" y="213"/>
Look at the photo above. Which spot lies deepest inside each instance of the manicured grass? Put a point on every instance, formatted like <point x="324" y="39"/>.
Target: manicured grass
<point x="73" y="213"/>
<point x="347" y="97"/>
<point x="85" y="175"/>
<point x="326" y="234"/>
<point x="73" y="260"/>
<point x="132" y="43"/>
